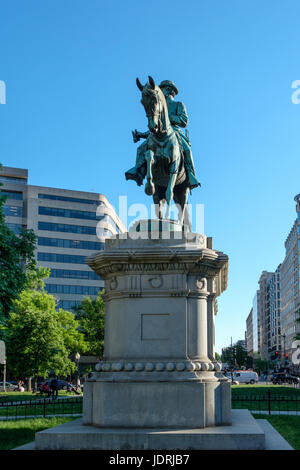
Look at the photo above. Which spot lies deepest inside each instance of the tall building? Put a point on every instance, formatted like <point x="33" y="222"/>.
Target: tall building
<point x="249" y="333"/>
<point x="256" y="325"/>
<point x="264" y="319"/>
<point x="70" y="225"/>
<point x="290" y="285"/>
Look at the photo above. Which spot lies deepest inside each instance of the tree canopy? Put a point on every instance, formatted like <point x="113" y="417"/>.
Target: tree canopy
<point x="91" y="318"/>
<point x="40" y="338"/>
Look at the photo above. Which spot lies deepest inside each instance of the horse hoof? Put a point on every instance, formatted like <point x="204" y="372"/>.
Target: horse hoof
<point x="149" y="189"/>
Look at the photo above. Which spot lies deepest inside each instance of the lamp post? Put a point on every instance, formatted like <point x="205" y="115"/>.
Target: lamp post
<point x="77" y="357"/>
<point x="283" y="354"/>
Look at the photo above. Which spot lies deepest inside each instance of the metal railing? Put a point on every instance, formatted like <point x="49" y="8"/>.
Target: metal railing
<point x="267" y="403"/>
<point x="40" y="408"/>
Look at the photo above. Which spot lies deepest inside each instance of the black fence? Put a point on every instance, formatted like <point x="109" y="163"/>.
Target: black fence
<point x="40" y="408"/>
<point x="267" y="403"/>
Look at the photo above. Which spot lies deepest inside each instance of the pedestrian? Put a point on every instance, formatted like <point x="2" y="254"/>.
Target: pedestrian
<point x="46" y="389"/>
<point x="54" y="387"/>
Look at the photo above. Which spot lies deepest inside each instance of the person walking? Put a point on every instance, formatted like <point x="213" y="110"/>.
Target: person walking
<point x="54" y="387"/>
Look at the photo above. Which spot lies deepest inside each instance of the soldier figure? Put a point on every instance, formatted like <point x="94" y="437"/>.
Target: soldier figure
<point x="178" y="118"/>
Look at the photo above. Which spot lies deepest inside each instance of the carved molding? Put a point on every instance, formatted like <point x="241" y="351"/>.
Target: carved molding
<point x="140" y="366"/>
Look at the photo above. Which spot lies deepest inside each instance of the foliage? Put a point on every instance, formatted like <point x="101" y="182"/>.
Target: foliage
<point x="40" y="339"/>
<point x="16" y="257"/>
<point x="236" y="355"/>
<point x="261" y="365"/>
<point x="90" y="314"/>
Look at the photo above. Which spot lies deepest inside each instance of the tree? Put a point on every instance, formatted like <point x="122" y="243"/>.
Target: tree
<point x="16" y="257"/>
<point x="91" y="317"/>
<point x="40" y="339"/>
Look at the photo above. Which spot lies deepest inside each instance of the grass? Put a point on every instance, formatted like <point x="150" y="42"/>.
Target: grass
<point x="16" y="433"/>
<point x="287" y="426"/>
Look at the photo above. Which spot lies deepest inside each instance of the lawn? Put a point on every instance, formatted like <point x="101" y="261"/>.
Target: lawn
<point x="16" y="433"/>
<point x="287" y="426"/>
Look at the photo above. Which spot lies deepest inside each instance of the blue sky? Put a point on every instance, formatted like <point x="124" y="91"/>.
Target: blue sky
<point x="72" y="101"/>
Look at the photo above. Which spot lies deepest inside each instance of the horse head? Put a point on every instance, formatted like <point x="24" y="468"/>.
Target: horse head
<point x="155" y="106"/>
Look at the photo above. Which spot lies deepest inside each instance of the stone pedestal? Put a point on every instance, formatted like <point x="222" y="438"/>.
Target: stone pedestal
<point x="159" y="385"/>
<point x="159" y="368"/>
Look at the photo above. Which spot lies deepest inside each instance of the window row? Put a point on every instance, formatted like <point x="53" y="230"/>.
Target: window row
<point x="66" y="289"/>
<point x="70" y="199"/>
<point x="68" y="304"/>
<point x="61" y="258"/>
<point x="15" y="228"/>
<point x="10" y="179"/>
<point x="13" y="211"/>
<point x="70" y="213"/>
<point x="79" y="244"/>
<point x="73" y="274"/>
<point x="67" y="228"/>
<point x="12" y="194"/>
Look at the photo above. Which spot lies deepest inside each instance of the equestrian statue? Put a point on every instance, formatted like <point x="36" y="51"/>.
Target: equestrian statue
<point x="165" y="158"/>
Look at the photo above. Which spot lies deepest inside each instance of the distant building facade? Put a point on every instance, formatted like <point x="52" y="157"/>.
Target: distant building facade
<point x="290" y="287"/>
<point x="70" y="225"/>
<point x="276" y="305"/>
<point x="249" y="333"/>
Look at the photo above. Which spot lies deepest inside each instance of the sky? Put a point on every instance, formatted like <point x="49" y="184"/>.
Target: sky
<point x="71" y="103"/>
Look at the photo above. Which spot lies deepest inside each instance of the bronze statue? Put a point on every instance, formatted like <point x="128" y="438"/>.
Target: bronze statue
<point x="165" y="157"/>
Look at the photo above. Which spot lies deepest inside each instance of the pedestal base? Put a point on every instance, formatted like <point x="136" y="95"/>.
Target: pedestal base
<point x="243" y="434"/>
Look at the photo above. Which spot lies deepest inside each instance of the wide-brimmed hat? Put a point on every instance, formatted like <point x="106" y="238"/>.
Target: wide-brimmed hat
<point x="170" y="84"/>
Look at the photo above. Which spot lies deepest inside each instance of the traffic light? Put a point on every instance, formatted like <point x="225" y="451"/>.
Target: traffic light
<point x="276" y="354"/>
<point x="286" y="358"/>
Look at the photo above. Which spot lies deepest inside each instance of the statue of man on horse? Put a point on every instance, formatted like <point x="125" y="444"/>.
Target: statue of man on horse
<point x="165" y="157"/>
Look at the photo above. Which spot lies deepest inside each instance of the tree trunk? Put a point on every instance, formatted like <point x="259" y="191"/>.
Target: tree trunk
<point x="29" y="389"/>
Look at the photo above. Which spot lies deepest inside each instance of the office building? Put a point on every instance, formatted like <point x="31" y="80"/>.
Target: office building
<point x="70" y="225"/>
<point x="290" y="288"/>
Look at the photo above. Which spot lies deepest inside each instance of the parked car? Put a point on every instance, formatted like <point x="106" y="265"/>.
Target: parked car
<point x="283" y="377"/>
<point x="244" y="377"/>
<point x="8" y="385"/>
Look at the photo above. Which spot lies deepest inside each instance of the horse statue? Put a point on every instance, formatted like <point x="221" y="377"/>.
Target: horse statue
<point x="166" y="173"/>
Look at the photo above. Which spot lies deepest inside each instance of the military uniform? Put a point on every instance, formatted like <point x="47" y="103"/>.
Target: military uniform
<point x="178" y="118"/>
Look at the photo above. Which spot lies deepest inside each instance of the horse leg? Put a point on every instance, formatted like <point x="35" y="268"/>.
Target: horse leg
<point x="158" y="200"/>
<point x="149" y="188"/>
<point x="181" y="199"/>
<point x="170" y="188"/>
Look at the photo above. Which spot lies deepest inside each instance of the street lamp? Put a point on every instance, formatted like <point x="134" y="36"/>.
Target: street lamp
<point x="77" y="357"/>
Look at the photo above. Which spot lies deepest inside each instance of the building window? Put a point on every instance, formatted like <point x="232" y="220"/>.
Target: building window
<point x="74" y="274"/>
<point x="61" y="258"/>
<point x="69" y="289"/>
<point x="12" y="194"/>
<point x="10" y="179"/>
<point x="13" y="211"/>
<point x="70" y="199"/>
<point x="52" y="227"/>
<point x="79" y="244"/>
<point x="15" y="228"/>
<point x="70" y="213"/>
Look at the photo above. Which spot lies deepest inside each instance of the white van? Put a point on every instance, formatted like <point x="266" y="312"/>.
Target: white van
<point x="245" y="377"/>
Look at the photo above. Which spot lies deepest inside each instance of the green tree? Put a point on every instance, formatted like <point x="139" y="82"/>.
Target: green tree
<point x="16" y="258"/>
<point x="39" y="338"/>
<point x="90" y="314"/>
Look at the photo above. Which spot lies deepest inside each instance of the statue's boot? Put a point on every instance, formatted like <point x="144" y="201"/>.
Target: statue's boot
<point x="134" y="174"/>
<point x="189" y="166"/>
<point x="193" y="182"/>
